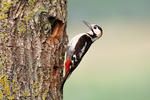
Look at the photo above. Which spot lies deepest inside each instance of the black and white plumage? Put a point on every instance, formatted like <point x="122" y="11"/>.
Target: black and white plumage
<point x="78" y="47"/>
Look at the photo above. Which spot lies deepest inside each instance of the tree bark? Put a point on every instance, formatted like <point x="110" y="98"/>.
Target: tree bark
<point x="32" y="49"/>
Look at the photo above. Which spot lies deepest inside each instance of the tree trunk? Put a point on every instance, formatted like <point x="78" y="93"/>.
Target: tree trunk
<point x="32" y="49"/>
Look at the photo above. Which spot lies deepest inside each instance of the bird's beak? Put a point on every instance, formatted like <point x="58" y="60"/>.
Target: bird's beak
<point x="87" y="24"/>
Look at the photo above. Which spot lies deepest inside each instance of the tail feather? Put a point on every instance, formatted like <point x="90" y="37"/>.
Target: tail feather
<point x="64" y="79"/>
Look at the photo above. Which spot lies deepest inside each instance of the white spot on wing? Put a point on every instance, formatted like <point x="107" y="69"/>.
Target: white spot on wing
<point x="75" y="57"/>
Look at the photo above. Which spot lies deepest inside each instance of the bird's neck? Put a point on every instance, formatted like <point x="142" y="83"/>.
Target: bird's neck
<point x="92" y="35"/>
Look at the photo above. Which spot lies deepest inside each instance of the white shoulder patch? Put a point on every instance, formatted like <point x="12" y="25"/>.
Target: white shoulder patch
<point x="73" y="42"/>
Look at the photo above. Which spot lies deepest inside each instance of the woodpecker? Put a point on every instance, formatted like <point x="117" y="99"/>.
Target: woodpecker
<point x="78" y="47"/>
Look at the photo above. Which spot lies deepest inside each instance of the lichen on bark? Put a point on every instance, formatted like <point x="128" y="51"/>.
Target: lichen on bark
<point x="32" y="47"/>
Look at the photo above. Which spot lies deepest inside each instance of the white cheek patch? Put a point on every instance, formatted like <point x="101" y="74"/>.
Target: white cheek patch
<point x="97" y="31"/>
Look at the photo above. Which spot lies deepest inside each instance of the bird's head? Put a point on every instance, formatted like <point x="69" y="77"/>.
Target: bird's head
<point x="95" y="31"/>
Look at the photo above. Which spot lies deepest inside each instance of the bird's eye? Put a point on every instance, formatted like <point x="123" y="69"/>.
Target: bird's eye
<point x="95" y="27"/>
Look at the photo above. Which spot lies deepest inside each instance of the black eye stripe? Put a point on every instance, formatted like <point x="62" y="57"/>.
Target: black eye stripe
<point x="95" y="27"/>
<point x="98" y="27"/>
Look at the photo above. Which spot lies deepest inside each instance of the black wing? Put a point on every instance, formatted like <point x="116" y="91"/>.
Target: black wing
<point x="81" y="48"/>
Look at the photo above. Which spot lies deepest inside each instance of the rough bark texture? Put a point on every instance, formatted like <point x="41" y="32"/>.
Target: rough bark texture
<point x="32" y="39"/>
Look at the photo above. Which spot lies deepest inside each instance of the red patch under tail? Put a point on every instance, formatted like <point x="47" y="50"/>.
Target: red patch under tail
<point x="67" y="66"/>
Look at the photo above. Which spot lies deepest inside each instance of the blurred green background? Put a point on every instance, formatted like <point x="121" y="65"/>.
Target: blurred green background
<point x="117" y="66"/>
